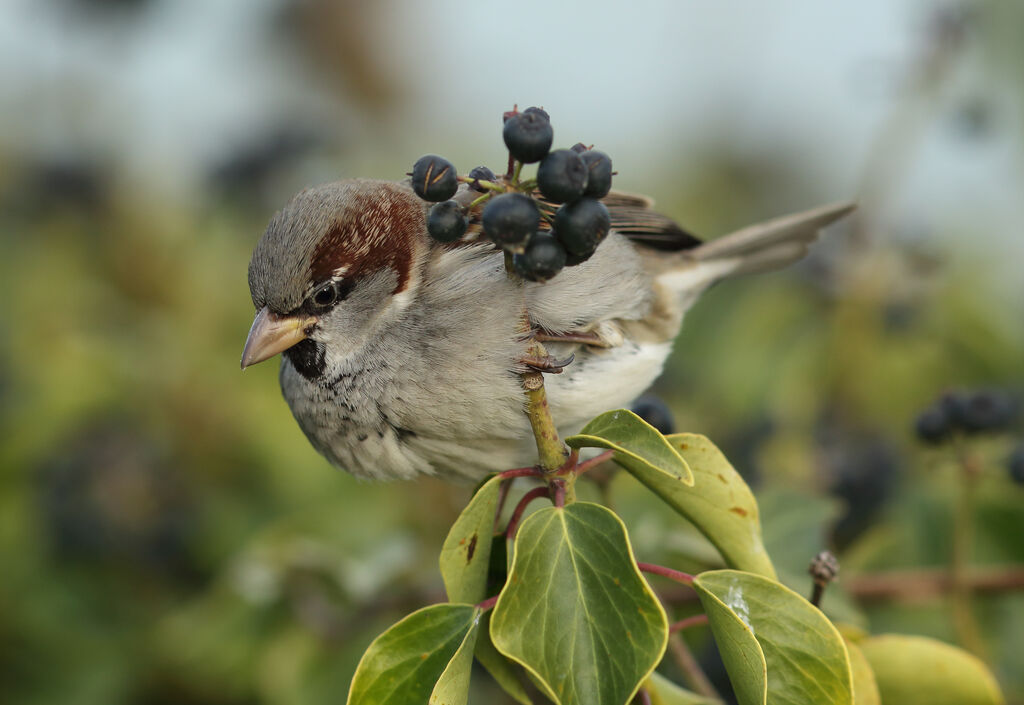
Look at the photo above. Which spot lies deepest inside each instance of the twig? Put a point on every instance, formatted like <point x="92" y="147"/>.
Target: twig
<point x="670" y="573"/>
<point x="692" y="672"/>
<point x="688" y="622"/>
<point x="594" y="462"/>
<point x="517" y="513"/>
<point x="967" y="629"/>
<point x="521" y="472"/>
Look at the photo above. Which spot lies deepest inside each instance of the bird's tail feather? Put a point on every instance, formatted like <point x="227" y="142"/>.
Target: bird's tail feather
<point x="771" y="244"/>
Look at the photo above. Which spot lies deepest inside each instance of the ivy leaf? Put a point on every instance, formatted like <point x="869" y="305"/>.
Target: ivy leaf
<point x="722" y="507"/>
<point x="665" y="692"/>
<point x="777" y="647"/>
<point x="452" y="688"/>
<point x="425" y="649"/>
<point x="914" y="670"/>
<point x="576" y="613"/>
<point x="500" y="668"/>
<point x="466" y="552"/>
<point x="635" y="440"/>
<point x="865" y="689"/>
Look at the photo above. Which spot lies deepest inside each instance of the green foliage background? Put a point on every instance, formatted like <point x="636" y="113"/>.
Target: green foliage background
<point x="168" y="535"/>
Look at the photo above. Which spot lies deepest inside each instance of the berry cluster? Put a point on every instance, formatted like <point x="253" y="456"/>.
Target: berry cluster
<point x="968" y="412"/>
<point x="563" y="227"/>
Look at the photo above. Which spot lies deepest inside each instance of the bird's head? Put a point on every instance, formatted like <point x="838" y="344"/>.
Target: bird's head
<point x="330" y="267"/>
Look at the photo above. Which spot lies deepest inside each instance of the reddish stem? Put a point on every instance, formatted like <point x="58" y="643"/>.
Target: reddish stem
<point x="558" y="487"/>
<point x="517" y="513"/>
<point x="488" y="603"/>
<point x="687" y="623"/>
<point x="503" y="490"/>
<point x="521" y="472"/>
<point x="570" y="464"/>
<point x="594" y="462"/>
<point x="642" y="697"/>
<point x="677" y="575"/>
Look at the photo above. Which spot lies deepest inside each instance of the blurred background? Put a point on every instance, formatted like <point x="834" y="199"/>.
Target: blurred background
<point x="168" y="535"/>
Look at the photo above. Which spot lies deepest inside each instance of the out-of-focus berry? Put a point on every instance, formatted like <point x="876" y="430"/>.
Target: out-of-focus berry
<point x="544" y="258"/>
<point x="655" y="412"/>
<point x="446" y="222"/>
<point x="478" y="174"/>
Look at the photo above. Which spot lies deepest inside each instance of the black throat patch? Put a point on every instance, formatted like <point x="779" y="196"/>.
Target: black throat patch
<point x="308" y="358"/>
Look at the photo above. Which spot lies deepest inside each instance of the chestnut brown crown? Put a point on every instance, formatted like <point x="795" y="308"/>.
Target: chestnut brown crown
<point x="342" y="230"/>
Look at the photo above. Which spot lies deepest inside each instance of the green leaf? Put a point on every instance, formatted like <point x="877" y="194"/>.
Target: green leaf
<point x="915" y="670"/>
<point x="452" y="688"/>
<point x="665" y="692"/>
<point x="635" y="440"/>
<point x="500" y="667"/>
<point x="865" y="689"/>
<point x="466" y="552"/>
<point x="721" y="506"/>
<point x="576" y="613"/>
<point x="757" y="621"/>
<point x="403" y="665"/>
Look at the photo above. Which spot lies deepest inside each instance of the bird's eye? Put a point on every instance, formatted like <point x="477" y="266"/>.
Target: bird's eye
<point x="326" y="295"/>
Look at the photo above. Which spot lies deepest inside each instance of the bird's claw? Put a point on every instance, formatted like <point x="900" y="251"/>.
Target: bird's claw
<point x="547" y="363"/>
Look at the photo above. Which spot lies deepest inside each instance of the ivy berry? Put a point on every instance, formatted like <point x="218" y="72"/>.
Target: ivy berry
<point x="544" y="258"/>
<point x="599" y="173"/>
<point x="528" y="135"/>
<point x="434" y="178"/>
<point x="581" y="226"/>
<point x="562" y="176"/>
<point x="1016" y="464"/>
<point x="445" y="223"/>
<point x="510" y="219"/>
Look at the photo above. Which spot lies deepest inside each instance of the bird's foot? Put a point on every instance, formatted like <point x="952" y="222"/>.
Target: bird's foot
<point x="546" y="363"/>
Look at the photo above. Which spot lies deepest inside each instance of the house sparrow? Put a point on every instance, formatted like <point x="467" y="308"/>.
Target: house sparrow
<point x="401" y="354"/>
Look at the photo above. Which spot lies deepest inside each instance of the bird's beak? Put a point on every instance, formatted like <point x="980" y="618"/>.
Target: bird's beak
<point x="271" y="334"/>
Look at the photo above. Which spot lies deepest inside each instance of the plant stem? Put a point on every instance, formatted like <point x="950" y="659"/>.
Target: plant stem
<point x="670" y="573"/>
<point x="488" y="603"/>
<point x="517" y="513"/>
<point x="968" y="632"/>
<point x="550" y="449"/>
<point x="594" y="462"/>
<point x="692" y="672"/>
<point x="520" y="472"/>
<point x="642" y="697"/>
<point x="687" y="623"/>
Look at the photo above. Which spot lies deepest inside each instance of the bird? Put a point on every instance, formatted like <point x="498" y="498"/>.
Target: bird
<point x="402" y="356"/>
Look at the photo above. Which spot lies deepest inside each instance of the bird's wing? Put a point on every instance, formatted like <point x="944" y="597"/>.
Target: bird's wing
<point x="634" y="217"/>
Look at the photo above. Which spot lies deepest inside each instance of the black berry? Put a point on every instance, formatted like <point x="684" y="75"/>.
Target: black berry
<point x="986" y="410"/>
<point x="579" y="148"/>
<point x="541" y="112"/>
<point x="434" y="178"/>
<point x="544" y="258"/>
<point x="528" y="135"/>
<point x="655" y="412"/>
<point x="446" y="222"/>
<point x="933" y="425"/>
<point x="581" y="226"/>
<point x="510" y="219"/>
<point x="478" y="174"/>
<point x="562" y="176"/>
<point x="1016" y="464"/>
<point x="599" y="173"/>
